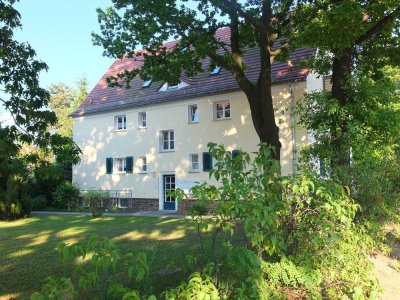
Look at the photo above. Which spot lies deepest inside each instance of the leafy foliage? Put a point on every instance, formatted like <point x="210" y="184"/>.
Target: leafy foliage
<point x="66" y="195"/>
<point x="297" y="229"/>
<point x="98" y="201"/>
<point x="15" y="201"/>
<point x="198" y="288"/>
<point x="27" y="144"/>
<point x="105" y="274"/>
<point x="64" y="100"/>
<point x="372" y="118"/>
<point x="39" y="202"/>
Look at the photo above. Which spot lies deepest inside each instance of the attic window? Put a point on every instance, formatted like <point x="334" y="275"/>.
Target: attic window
<point x="147" y="83"/>
<point x="216" y="70"/>
<point x="167" y="87"/>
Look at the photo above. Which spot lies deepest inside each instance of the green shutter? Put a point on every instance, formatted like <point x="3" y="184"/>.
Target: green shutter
<point x="235" y="153"/>
<point x="322" y="167"/>
<point x="109" y="165"/>
<point x="207" y="161"/>
<point x="129" y="164"/>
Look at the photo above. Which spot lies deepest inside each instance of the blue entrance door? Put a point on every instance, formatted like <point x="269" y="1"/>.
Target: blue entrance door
<point x="168" y="186"/>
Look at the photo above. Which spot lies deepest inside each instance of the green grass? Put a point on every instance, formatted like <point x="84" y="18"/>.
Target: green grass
<point x="28" y="247"/>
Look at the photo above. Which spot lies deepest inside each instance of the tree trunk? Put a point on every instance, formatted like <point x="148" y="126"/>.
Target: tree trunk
<point x="340" y="72"/>
<point x="262" y="113"/>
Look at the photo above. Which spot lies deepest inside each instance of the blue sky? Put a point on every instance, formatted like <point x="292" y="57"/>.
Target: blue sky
<point x="60" y="32"/>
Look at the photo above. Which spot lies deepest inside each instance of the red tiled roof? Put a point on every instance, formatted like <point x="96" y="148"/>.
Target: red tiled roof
<point x="103" y="98"/>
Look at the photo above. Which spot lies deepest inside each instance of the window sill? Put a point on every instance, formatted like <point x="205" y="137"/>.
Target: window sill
<point x="194" y="171"/>
<point x="194" y="122"/>
<point x="140" y="127"/>
<point x="120" y="173"/>
<point x="166" y="151"/>
<point x="222" y="119"/>
<point x="142" y="172"/>
<point x="119" y="130"/>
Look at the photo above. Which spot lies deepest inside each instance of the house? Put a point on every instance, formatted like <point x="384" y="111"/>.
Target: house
<point x="143" y="141"/>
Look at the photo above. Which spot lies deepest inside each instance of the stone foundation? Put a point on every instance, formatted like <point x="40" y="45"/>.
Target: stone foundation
<point x="135" y="204"/>
<point x="186" y="205"/>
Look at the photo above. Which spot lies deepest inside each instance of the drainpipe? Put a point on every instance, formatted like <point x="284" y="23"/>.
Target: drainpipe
<point x="293" y="121"/>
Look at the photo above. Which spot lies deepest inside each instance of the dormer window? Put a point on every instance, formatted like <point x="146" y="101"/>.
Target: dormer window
<point x="167" y="87"/>
<point x="216" y="70"/>
<point x="147" y="83"/>
<point x="173" y="87"/>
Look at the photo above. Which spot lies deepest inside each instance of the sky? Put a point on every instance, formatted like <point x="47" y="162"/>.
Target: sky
<point x="60" y="33"/>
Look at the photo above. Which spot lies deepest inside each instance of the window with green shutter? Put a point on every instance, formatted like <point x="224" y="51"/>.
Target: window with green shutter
<point x="129" y="164"/>
<point x="109" y="165"/>
<point x="235" y="153"/>
<point x="207" y="161"/>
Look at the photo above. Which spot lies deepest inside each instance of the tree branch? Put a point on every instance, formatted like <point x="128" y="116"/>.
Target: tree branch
<point x="237" y="69"/>
<point x="233" y="7"/>
<point x="380" y="25"/>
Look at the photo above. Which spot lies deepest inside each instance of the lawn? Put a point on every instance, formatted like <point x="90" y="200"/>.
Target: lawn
<point x="28" y="251"/>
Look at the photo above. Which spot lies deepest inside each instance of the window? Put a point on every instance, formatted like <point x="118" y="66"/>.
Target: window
<point x="167" y="87"/>
<point x="193" y="113"/>
<point x="147" y="83"/>
<point x="143" y="164"/>
<point x="222" y="110"/>
<point x="120" y="123"/>
<point x="194" y="163"/>
<point x="122" y="203"/>
<point x="167" y="140"/>
<point x="207" y="161"/>
<point x="142" y="119"/>
<point x="216" y="70"/>
<point x="120" y="165"/>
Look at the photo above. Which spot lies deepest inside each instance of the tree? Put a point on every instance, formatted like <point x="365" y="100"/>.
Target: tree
<point x="27" y="104"/>
<point x="148" y="24"/>
<point x="64" y="100"/>
<point x="355" y="40"/>
<point x="23" y="97"/>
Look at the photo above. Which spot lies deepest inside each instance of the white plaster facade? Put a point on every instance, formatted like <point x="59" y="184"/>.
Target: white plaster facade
<point x="95" y="135"/>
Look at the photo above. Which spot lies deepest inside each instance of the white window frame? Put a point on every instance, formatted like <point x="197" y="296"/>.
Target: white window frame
<point x="123" y="123"/>
<point x="169" y="140"/>
<point x="224" y="110"/>
<point x="216" y="70"/>
<point x="147" y="83"/>
<point x="167" y="87"/>
<point x="143" y="164"/>
<point x="190" y="106"/>
<point x="140" y="119"/>
<point x="116" y="165"/>
<point x="191" y="169"/>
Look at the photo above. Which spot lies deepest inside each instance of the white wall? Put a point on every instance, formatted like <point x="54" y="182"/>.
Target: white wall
<point x="95" y="135"/>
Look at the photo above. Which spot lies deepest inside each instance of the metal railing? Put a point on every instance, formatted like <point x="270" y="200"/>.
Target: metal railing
<point x="114" y="193"/>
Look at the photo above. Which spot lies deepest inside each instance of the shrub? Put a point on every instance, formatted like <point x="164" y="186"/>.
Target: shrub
<point x="102" y="276"/>
<point x="198" y="209"/>
<point x="291" y="223"/>
<point x="98" y="201"/>
<point x="66" y="195"/>
<point x="15" y="201"/>
<point x="39" y="202"/>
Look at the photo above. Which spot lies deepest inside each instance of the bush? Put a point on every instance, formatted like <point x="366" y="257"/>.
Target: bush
<point x="39" y="202"/>
<point x="98" y="201"/>
<point x="15" y="201"/>
<point x="291" y="223"/>
<point x="66" y="195"/>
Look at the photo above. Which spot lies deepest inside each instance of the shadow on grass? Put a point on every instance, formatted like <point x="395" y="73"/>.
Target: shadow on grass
<point x="29" y="246"/>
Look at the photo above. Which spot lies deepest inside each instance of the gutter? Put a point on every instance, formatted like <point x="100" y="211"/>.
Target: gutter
<point x="293" y="126"/>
